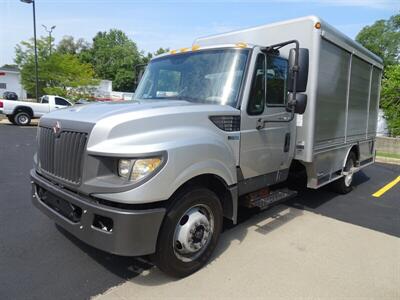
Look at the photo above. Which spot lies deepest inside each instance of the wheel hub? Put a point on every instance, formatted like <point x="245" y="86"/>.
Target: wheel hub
<point x="193" y="233"/>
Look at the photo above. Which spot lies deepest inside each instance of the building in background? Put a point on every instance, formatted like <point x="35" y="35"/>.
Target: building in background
<point x="104" y="92"/>
<point x="10" y="81"/>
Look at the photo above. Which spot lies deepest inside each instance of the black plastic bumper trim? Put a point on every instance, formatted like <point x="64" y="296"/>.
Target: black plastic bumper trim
<point x="134" y="231"/>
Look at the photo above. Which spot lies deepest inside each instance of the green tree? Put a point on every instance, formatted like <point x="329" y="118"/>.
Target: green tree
<point x="68" y="45"/>
<point x="383" y="39"/>
<point x="62" y="74"/>
<point x="114" y="57"/>
<point x="390" y="98"/>
<point x="161" y="51"/>
<point x="150" y="55"/>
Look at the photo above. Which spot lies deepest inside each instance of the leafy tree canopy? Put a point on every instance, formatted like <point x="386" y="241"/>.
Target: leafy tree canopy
<point x="390" y="98"/>
<point x="58" y="73"/>
<point x="114" y="57"/>
<point x="383" y="39"/>
<point x="68" y="45"/>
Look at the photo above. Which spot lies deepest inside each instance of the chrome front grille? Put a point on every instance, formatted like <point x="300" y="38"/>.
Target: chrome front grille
<point x="61" y="155"/>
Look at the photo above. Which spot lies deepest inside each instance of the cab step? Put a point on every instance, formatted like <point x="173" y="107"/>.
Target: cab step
<point x="264" y="199"/>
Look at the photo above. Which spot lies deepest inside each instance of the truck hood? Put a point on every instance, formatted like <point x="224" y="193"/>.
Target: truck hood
<point x="113" y="120"/>
<point x="92" y="113"/>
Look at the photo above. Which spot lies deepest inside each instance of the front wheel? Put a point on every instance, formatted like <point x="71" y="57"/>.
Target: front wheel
<point x="189" y="233"/>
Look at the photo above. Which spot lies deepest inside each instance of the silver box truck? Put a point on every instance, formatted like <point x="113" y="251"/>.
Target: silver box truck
<point x="226" y="123"/>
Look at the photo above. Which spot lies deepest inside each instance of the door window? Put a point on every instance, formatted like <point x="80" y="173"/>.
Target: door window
<point x="257" y="93"/>
<point x="277" y="76"/>
<point x="62" y="102"/>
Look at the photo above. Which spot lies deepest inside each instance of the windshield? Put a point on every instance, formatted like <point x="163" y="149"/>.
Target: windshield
<point x="206" y="76"/>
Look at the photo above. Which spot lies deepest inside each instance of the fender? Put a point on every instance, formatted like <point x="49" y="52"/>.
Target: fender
<point x="23" y="108"/>
<point x="348" y="152"/>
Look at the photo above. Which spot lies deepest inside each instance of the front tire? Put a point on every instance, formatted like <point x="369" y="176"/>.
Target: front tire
<point x="189" y="233"/>
<point x="344" y="184"/>
<point x="22" y="118"/>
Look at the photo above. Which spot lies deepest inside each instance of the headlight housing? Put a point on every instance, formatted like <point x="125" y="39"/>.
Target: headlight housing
<point x="138" y="169"/>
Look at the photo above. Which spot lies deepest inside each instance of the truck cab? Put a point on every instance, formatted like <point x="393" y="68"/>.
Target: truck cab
<point x="212" y="128"/>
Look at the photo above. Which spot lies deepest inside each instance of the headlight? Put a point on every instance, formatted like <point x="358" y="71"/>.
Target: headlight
<point x="137" y="169"/>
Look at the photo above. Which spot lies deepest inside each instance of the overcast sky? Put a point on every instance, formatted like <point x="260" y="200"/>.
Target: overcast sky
<point x="175" y="24"/>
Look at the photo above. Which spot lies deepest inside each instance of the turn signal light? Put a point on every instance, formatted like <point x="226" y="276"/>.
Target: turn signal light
<point x="1" y="104"/>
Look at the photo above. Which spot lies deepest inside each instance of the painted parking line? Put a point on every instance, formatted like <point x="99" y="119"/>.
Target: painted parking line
<point x="387" y="187"/>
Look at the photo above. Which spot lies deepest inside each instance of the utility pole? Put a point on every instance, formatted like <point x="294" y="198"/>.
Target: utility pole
<point x="34" y="40"/>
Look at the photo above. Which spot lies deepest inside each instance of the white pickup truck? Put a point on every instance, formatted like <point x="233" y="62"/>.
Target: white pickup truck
<point x="22" y="112"/>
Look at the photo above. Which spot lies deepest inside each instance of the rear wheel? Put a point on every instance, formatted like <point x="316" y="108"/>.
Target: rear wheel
<point x="189" y="233"/>
<point x="11" y="119"/>
<point x="22" y="118"/>
<point x="344" y="184"/>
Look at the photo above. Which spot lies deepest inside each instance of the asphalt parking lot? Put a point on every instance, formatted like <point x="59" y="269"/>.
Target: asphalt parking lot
<point x="345" y="243"/>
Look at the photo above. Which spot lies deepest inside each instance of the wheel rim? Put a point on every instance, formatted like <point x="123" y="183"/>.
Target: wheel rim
<point x="193" y="233"/>
<point x="348" y="178"/>
<point x="23" y="119"/>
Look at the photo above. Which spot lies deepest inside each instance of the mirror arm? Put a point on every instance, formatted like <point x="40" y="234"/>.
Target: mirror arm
<point x="295" y="71"/>
<point x="261" y="122"/>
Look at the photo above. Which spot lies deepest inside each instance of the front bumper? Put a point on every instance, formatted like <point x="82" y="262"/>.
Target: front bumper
<point x="129" y="233"/>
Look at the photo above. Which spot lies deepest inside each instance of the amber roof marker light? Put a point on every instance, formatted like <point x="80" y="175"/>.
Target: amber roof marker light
<point x="317" y="25"/>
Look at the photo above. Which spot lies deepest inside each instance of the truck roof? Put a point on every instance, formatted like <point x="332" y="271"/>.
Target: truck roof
<point x="259" y="36"/>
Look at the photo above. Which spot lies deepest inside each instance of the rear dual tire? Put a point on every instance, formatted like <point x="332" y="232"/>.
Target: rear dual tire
<point x="189" y="233"/>
<point x="344" y="184"/>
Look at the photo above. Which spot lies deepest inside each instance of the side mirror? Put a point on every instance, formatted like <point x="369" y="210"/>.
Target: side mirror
<point x="302" y="74"/>
<point x="139" y="72"/>
<point x="299" y="104"/>
<point x="139" y="77"/>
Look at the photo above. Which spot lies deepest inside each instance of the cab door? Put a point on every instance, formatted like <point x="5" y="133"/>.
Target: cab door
<point x="266" y="142"/>
<point x="43" y="108"/>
